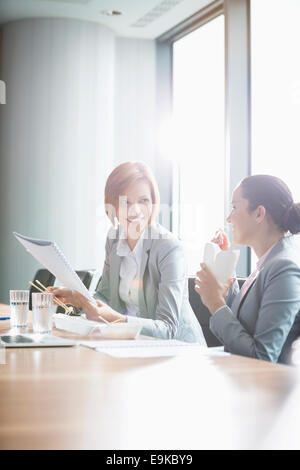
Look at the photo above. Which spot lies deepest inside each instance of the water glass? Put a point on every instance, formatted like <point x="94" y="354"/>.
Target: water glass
<point x="42" y="312"/>
<point x="19" y="308"/>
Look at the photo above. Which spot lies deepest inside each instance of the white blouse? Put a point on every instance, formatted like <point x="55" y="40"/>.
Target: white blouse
<point x="130" y="281"/>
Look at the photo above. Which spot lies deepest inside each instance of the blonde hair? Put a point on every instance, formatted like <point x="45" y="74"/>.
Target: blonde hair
<point x="120" y="179"/>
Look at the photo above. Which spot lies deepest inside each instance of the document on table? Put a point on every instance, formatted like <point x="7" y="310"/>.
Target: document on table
<point x="147" y="348"/>
<point x="51" y="257"/>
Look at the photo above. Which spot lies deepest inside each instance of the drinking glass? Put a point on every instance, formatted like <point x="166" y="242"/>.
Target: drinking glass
<point x="42" y="312"/>
<point x="19" y="307"/>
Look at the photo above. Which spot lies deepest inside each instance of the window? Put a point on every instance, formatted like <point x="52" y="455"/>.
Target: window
<point x="275" y="83"/>
<point x="198" y="136"/>
<point x="276" y="90"/>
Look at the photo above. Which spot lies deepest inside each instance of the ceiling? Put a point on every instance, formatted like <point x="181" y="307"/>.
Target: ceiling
<point x="140" y="18"/>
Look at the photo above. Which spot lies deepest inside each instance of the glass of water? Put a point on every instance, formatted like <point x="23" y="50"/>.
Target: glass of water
<point x="42" y="312"/>
<point x="19" y="307"/>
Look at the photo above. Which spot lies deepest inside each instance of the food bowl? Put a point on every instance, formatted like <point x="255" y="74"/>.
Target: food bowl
<point x="120" y="330"/>
<point x="78" y="325"/>
<point x="83" y="327"/>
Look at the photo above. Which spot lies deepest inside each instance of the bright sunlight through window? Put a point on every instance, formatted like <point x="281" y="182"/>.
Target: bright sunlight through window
<point x="196" y="139"/>
<point x="275" y="66"/>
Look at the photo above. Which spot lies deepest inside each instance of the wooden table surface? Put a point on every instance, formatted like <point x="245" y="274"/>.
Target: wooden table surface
<point x="76" y="398"/>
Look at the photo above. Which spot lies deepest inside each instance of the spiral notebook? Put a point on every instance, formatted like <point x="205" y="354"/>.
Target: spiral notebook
<point x="52" y="258"/>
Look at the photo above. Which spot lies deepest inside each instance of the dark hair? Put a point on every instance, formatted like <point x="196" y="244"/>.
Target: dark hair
<point x="272" y="193"/>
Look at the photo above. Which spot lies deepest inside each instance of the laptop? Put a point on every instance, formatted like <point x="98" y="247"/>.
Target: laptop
<point x="27" y="340"/>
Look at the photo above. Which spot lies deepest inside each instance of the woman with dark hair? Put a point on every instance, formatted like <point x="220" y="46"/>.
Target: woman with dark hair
<point x="263" y="318"/>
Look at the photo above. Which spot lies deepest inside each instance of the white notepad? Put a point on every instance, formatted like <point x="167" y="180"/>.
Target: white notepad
<point x="51" y="257"/>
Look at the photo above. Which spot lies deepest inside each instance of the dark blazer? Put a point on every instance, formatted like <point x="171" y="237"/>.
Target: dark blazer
<point x="164" y="308"/>
<point x="267" y="319"/>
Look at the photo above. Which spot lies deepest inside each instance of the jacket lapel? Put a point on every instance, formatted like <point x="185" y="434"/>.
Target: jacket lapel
<point x="277" y="248"/>
<point x="246" y="293"/>
<point x="115" y="263"/>
<point x="146" y="249"/>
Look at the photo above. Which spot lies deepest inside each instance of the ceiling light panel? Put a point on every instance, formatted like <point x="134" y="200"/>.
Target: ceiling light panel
<point x="155" y="13"/>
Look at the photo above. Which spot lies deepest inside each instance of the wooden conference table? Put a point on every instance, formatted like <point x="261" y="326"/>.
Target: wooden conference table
<point x="76" y="398"/>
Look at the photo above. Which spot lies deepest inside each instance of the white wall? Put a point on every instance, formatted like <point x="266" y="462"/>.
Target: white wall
<point x="135" y="100"/>
<point x="142" y="102"/>
<point x="56" y="143"/>
<point x="79" y="101"/>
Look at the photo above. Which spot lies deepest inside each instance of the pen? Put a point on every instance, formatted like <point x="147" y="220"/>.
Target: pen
<point x="4" y="318"/>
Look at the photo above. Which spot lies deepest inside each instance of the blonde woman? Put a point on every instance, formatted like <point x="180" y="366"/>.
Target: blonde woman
<point x="144" y="277"/>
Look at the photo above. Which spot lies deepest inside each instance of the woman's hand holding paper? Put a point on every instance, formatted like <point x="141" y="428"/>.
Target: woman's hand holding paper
<point x="67" y="296"/>
<point x="94" y="311"/>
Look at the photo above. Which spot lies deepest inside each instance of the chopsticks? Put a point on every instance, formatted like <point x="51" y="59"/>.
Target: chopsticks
<point x="64" y="306"/>
<point x="67" y="309"/>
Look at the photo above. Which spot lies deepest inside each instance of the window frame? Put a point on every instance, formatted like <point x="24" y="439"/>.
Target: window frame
<point x="237" y="97"/>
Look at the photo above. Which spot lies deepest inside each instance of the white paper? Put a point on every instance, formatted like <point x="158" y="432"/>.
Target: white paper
<point x="147" y="348"/>
<point x="140" y="352"/>
<point x="51" y="257"/>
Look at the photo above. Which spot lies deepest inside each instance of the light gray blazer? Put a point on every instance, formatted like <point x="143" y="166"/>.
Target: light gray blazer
<point x="164" y="309"/>
<point x="267" y="319"/>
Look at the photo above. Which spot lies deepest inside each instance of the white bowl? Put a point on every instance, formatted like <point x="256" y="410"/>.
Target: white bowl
<point x="84" y="327"/>
<point x="120" y="331"/>
<point x="78" y="325"/>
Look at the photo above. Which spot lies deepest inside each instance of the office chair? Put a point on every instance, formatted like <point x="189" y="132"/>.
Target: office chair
<point x="98" y="283"/>
<point x="86" y="277"/>
<point x="202" y="313"/>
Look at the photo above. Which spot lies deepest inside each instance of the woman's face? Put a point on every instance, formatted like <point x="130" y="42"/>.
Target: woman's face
<point x="135" y="208"/>
<point x="242" y="220"/>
